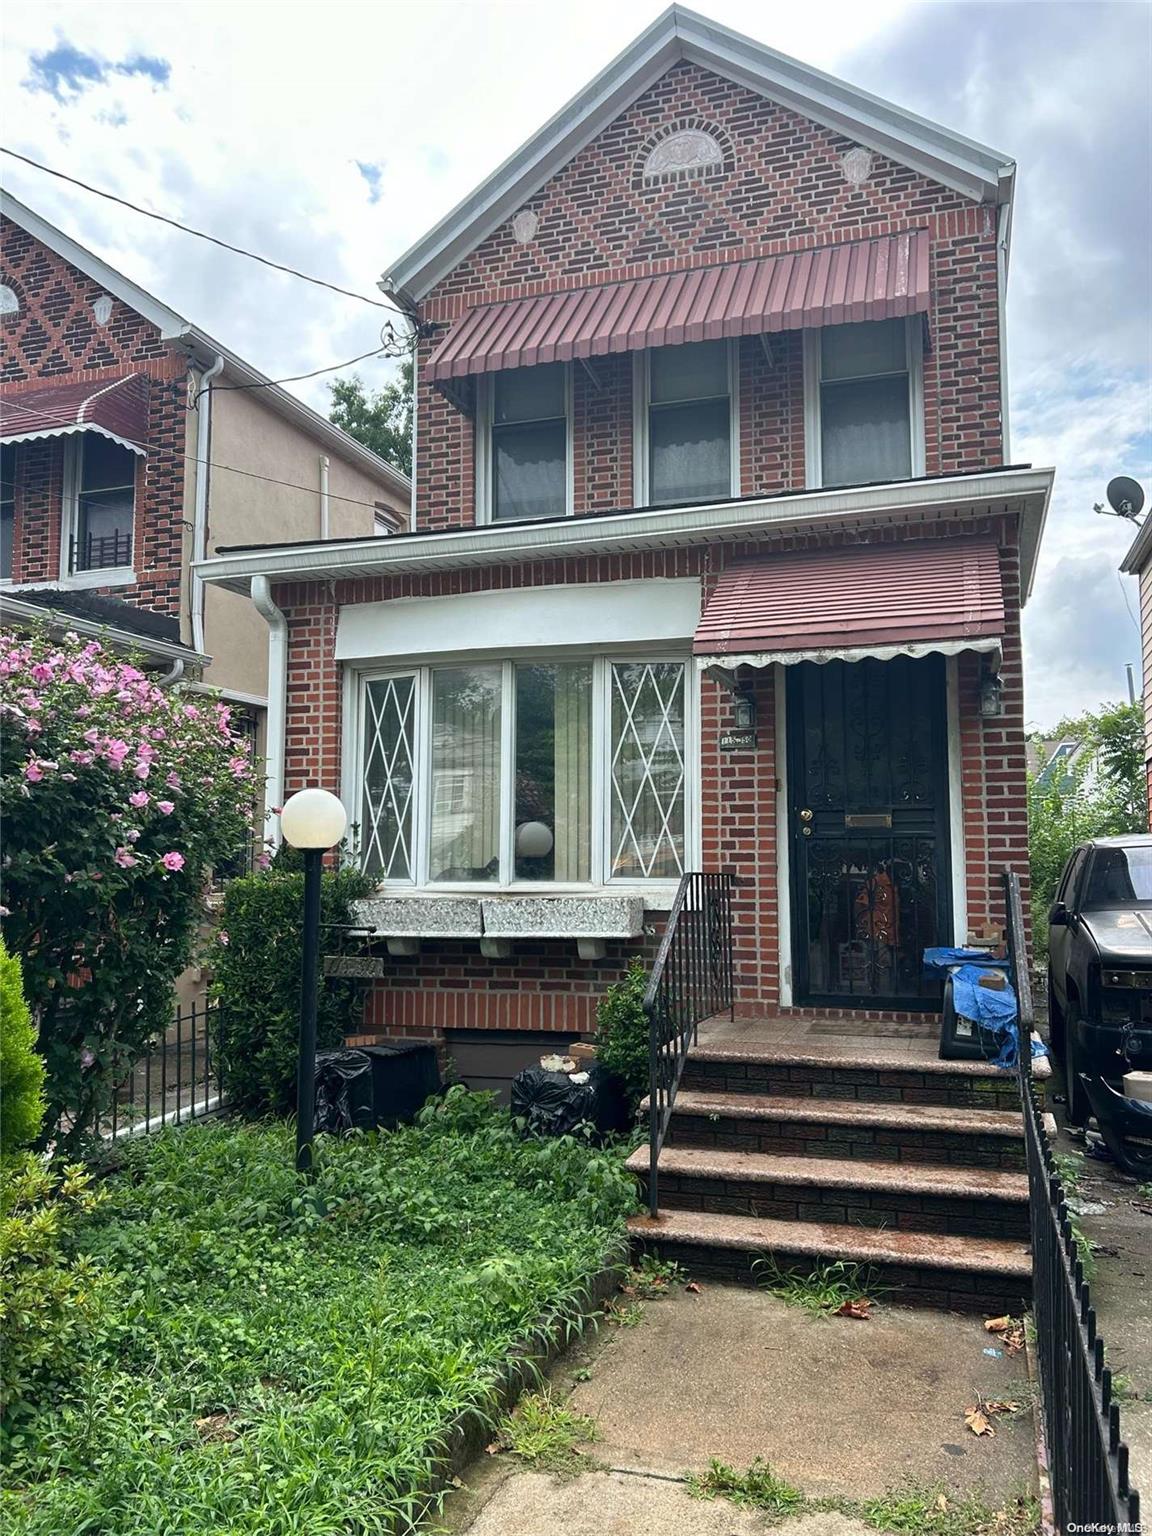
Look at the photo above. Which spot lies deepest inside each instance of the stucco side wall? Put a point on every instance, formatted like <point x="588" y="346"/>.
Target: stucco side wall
<point x="1146" y="658"/>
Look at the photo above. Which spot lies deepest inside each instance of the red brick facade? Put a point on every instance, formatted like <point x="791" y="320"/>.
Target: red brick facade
<point x="54" y="337"/>
<point x="781" y="187"/>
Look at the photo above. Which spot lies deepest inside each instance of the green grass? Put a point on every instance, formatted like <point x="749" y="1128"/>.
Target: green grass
<point x="272" y="1365"/>
<point x="759" y="1488"/>
<point x="542" y="1432"/>
<point x="822" y="1292"/>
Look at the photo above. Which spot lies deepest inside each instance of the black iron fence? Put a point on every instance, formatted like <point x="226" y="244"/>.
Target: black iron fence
<point x="691" y="980"/>
<point x="100" y="552"/>
<point x="1087" y="1460"/>
<point x="175" y="1080"/>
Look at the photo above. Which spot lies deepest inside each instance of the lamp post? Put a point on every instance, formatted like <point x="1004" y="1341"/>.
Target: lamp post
<point x="313" y="821"/>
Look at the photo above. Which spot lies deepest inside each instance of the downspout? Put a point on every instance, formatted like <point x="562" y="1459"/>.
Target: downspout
<point x="325" y="523"/>
<point x="173" y="675"/>
<point x="277" y="703"/>
<point x="200" y="513"/>
<point x="1003" y="239"/>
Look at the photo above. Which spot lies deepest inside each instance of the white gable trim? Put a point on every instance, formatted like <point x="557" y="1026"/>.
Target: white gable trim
<point x="974" y="170"/>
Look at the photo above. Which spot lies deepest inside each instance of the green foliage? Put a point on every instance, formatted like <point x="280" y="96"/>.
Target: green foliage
<point x="119" y="797"/>
<point x="541" y="1431"/>
<point x="269" y="1364"/>
<point x="759" y="1488"/>
<point x="257" y="981"/>
<point x="381" y="421"/>
<point x="822" y="1292"/>
<point x="48" y="1298"/>
<point x="21" y="1070"/>
<point x="1103" y="796"/>
<point x="622" y="1031"/>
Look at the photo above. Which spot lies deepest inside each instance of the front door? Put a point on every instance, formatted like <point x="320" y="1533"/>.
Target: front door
<point x="868" y="824"/>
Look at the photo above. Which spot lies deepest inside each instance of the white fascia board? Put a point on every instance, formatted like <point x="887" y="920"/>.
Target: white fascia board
<point x="119" y="639"/>
<point x="967" y="167"/>
<point x="1140" y="553"/>
<point x="1025" y="491"/>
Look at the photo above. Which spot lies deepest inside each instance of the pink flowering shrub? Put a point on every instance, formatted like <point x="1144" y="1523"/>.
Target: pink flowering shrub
<point x="118" y="797"/>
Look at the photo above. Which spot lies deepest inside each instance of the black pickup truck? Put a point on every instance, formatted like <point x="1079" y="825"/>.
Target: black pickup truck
<point x="1100" y="964"/>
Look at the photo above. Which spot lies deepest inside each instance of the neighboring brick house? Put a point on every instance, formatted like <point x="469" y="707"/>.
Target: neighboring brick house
<point x="131" y="441"/>
<point x="716" y="563"/>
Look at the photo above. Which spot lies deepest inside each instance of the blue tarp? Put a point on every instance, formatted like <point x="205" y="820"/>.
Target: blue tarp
<point x="992" y="1009"/>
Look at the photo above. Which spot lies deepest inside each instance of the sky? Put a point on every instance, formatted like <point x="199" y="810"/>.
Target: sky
<point x="330" y="137"/>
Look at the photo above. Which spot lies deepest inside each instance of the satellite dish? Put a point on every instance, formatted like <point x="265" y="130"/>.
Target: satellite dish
<point x="1125" y="496"/>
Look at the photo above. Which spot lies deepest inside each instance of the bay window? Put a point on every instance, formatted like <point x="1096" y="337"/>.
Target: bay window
<point x="541" y="772"/>
<point x="864" y="412"/>
<point x="685" y="416"/>
<point x="522" y="444"/>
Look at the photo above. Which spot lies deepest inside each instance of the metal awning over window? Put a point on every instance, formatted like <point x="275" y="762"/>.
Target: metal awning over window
<point x="116" y="409"/>
<point x="865" y="280"/>
<point x="852" y="603"/>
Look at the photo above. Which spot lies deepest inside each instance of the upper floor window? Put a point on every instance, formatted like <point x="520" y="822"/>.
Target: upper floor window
<point x="685" y="418"/>
<point x="523" y="450"/>
<point x="7" y="508"/>
<point x="865" y="418"/>
<point x="103" y="505"/>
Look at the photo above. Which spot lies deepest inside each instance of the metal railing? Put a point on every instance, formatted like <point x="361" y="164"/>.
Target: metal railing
<point x="691" y="980"/>
<point x="100" y="552"/>
<point x="1087" y="1460"/>
<point x="173" y="1081"/>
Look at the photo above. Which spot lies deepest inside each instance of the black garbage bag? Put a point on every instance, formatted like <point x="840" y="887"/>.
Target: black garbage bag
<point x="553" y="1105"/>
<point x="344" y="1097"/>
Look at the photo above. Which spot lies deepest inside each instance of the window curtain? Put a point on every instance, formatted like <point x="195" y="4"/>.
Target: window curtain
<point x="465" y="839"/>
<point x="573" y="748"/>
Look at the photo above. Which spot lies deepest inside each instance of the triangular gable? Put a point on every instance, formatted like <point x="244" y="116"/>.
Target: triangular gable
<point x="974" y="170"/>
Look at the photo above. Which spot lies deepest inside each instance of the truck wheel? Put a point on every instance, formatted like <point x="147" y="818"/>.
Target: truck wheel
<point x="1078" y="1108"/>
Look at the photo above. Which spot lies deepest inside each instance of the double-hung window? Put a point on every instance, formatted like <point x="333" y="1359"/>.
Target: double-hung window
<point x="7" y="508"/>
<point x="523" y="442"/>
<point x="103" y="505"/>
<point x="864" y="412"/>
<point x="534" y="771"/>
<point x="686" y="442"/>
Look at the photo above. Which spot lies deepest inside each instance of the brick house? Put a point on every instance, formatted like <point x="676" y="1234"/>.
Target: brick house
<point x="717" y="563"/>
<point x="130" y="439"/>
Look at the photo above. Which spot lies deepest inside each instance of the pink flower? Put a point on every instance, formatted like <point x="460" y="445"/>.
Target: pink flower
<point x="173" y="861"/>
<point x="124" y="858"/>
<point x="92" y="736"/>
<point x="142" y="770"/>
<point x="116" y="751"/>
<point x="146" y="753"/>
<point x="41" y="672"/>
<point x="238" y="767"/>
<point x="133" y="836"/>
<point x="173" y="780"/>
<point x="191" y="712"/>
<point x="85" y="759"/>
<point x="33" y="771"/>
<point x="165" y="807"/>
<point x="141" y="797"/>
<point x="263" y="860"/>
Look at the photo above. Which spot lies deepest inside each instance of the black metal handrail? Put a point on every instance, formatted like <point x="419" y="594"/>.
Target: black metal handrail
<point x="1087" y="1460"/>
<point x="100" y="552"/>
<point x="692" y="979"/>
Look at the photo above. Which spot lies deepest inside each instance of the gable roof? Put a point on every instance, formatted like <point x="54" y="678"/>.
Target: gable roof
<point x="201" y="347"/>
<point x="974" y="170"/>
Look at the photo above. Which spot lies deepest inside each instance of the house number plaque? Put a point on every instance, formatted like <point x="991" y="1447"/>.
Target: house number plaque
<point x="738" y="741"/>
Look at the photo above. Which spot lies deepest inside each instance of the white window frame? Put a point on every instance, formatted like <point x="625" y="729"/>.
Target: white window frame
<point x="109" y="576"/>
<point x="813" y="448"/>
<point x="641" y="400"/>
<point x="356" y="680"/>
<point x="485" y="389"/>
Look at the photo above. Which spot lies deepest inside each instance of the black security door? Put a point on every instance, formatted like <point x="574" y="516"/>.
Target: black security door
<point x="868" y="821"/>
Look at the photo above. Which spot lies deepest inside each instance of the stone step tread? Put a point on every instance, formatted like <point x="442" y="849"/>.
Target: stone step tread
<point x="816" y="1053"/>
<point x="862" y="1112"/>
<point x="929" y="1179"/>
<point x="822" y="1241"/>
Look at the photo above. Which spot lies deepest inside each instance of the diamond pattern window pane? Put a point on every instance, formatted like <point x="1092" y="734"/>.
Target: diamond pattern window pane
<point x="389" y="755"/>
<point x="647" y="771"/>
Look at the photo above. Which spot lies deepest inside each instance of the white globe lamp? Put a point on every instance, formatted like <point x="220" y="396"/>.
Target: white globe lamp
<point x="313" y="818"/>
<point x="534" y="840"/>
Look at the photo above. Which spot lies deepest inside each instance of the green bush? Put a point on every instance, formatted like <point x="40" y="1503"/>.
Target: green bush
<point x="622" y="1031"/>
<point x="257" y="982"/>
<point x="21" y="1070"/>
<point x="48" y="1297"/>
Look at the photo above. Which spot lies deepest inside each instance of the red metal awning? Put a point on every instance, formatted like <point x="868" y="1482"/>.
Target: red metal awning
<point x="117" y="409"/>
<point x="885" y="600"/>
<point x="865" y="280"/>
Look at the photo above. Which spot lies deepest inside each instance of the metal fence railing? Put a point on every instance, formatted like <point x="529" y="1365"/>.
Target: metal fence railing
<point x="692" y="979"/>
<point x="175" y="1080"/>
<point x="1087" y="1459"/>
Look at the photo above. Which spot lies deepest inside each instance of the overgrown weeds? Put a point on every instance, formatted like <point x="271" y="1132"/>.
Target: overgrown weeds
<point x="544" y="1433"/>
<point x="828" y="1289"/>
<point x="759" y="1487"/>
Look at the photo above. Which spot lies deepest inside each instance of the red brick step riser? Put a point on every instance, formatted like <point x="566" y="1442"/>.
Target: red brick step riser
<point x="871" y="1085"/>
<point x="798" y="1138"/>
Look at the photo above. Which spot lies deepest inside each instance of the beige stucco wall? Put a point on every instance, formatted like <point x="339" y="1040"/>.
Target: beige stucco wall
<point x="1146" y="658"/>
<point x="244" y="509"/>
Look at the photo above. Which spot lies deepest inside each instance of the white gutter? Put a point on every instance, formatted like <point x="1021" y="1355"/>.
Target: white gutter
<point x="200" y="512"/>
<point x="12" y="607"/>
<point x="1003" y="240"/>
<point x="325" y="524"/>
<point x="643" y="529"/>
<point x="277" y="702"/>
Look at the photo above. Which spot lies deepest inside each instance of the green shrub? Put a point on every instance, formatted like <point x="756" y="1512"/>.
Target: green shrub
<point x="21" y="1070"/>
<point x="622" y="1031"/>
<point x="257" y="982"/>
<point x="48" y="1297"/>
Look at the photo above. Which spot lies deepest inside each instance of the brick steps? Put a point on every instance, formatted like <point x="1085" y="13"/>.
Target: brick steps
<point x="837" y="1128"/>
<point x="899" y="1196"/>
<point x="968" y="1273"/>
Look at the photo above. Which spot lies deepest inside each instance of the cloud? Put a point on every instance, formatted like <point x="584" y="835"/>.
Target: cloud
<point x="66" y="70"/>
<point x="373" y="175"/>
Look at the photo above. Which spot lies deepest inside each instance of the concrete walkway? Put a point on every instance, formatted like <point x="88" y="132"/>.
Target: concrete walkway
<point x="836" y="1406"/>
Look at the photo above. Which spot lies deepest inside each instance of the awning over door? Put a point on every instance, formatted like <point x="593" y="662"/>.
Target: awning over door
<point x="863" y="280"/>
<point x="853" y="603"/>
<point x="116" y="409"/>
